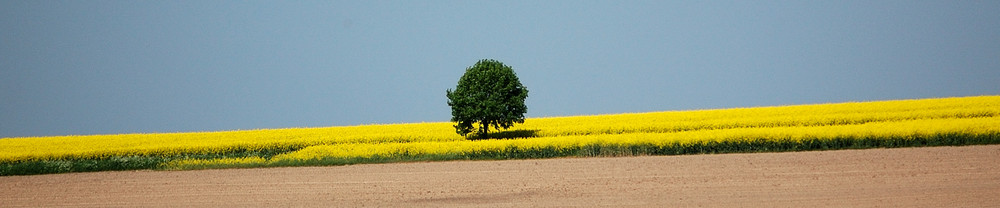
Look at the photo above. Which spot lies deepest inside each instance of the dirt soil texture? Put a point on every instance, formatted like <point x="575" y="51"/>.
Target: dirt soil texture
<point x="966" y="176"/>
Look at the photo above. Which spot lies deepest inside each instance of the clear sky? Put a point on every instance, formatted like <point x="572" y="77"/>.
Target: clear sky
<point x="109" y="67"/>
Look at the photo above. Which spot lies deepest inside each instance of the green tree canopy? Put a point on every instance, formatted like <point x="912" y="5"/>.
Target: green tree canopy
<point x="488" y="95"/>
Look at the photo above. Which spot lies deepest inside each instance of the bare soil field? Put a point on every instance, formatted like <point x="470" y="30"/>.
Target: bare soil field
<point x="908" y="177"/>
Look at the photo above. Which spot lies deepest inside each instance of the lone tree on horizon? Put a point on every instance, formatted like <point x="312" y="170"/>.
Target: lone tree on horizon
<point x="488" y="95"/>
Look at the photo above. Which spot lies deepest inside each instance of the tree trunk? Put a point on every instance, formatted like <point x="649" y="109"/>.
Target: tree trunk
<point x="484" y="130"/>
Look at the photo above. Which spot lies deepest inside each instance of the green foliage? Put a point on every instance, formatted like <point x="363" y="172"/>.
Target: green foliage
<point x="488" y="95"/>
<point x="119" y="162"/>
<point x="82" y="165"/>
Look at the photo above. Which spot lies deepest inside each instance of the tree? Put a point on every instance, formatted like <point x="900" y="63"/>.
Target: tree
<point x="488" y="95"/>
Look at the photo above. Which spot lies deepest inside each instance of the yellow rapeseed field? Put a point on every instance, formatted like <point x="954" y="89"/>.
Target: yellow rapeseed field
<point x="876" y="130"/>
<point x="973" y="117"/>
<point x="169" y="144"/>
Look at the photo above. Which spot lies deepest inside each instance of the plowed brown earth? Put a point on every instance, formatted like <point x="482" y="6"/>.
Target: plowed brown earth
<point x="924" y="177"/>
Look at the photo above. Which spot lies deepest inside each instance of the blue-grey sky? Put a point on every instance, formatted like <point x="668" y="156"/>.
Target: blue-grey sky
<point x="109" y="67"/>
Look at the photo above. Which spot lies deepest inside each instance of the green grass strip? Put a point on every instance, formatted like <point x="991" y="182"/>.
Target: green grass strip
<point x="595" y="150"/>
